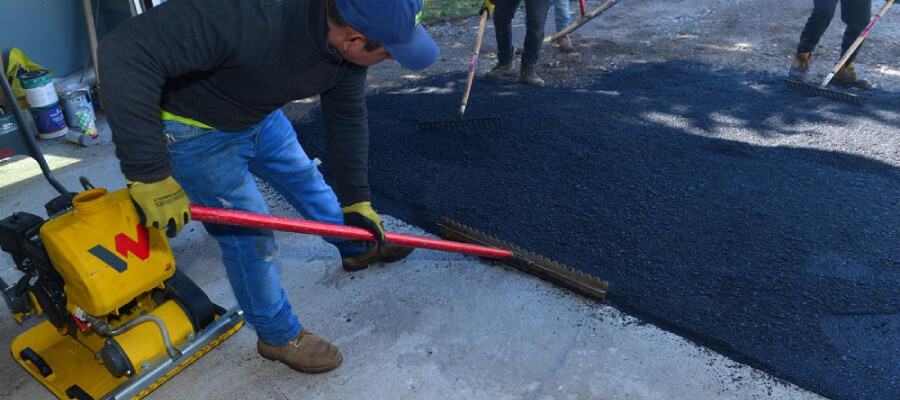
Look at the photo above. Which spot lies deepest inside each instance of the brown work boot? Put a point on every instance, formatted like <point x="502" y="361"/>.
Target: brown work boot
<point x="305" y="353"/>
<point x="388" y="254"/>
<point x="846" y="78"/>
<point x="500" y="71"/>
<point x="799" y="67"/>
<point x="530" y="77"/>
<point x="565" y="44"/>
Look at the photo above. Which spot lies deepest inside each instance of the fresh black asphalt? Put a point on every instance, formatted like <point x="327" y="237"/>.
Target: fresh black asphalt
<point x="659" y="178"/>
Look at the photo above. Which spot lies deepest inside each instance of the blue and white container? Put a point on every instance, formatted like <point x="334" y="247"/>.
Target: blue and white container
<point x="50" y="121"/>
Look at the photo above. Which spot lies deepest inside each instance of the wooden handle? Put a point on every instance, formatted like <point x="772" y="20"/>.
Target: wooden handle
<point x="591" y="15"/>
<point x="3" y="98"/>
<point x="465" y="99"/>
<point x="92" y="36"/>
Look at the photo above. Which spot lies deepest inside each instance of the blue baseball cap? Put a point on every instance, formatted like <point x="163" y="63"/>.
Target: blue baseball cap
<point x="394" y="23"/>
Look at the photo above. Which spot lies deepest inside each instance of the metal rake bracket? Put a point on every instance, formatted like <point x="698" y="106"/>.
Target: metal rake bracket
<point x="818" y="91"/>
<point x="529" y="262"/>
<point x="469" y="124"/>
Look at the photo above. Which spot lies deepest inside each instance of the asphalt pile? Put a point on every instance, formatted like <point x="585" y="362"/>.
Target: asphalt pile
<point x="780" y="256"/>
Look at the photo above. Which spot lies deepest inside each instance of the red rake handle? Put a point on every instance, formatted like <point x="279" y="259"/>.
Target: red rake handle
<point x="253" y="220"/>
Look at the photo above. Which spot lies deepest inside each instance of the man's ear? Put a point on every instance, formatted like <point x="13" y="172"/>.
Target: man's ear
<point x="352" y="40"/>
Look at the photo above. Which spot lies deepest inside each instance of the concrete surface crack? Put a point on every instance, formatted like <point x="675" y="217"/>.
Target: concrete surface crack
<point x="552" y="374"/>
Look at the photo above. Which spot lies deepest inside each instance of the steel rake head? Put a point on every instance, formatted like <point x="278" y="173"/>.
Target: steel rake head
<point x="470" y="124"/>
<point x="818" y="91"/>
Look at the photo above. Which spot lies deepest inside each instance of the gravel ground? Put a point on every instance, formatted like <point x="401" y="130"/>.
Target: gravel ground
<point x="668" y="157"/>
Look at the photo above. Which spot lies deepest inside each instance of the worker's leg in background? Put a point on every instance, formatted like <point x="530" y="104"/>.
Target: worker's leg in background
<point x="504" y="11"/>
<point x="818" y="21"/>
<point x="213" y="168"/>
<point x="535" y="17"/>
<point x="856" y="14"/>
<point x="816" y="24"/>
<point x="562" y="20"/>
<point x="561" y="14"/>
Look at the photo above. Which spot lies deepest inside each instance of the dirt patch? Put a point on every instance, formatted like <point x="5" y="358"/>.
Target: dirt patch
<point x="758" y="35"/>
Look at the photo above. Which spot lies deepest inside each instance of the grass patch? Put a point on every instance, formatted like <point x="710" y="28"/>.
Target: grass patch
<point x="440" y="10"/>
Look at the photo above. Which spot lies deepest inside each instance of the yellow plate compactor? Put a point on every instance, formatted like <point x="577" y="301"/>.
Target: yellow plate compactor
<point x="120" y="319"/>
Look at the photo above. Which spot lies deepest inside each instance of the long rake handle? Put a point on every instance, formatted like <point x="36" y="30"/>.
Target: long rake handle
<point x="92" y="36"/>
<point x="584" y="19"/>
<point x="471" y="78"/>
<point x="253" y="220"/>
<point x="856" y="43"/>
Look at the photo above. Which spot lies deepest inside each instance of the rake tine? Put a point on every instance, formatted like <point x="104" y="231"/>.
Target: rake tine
<point x="471" y="124"/>
<point x="818" y="91"/>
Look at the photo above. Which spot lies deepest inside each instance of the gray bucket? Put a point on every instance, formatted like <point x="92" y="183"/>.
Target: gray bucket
<point x="74" y="100"/>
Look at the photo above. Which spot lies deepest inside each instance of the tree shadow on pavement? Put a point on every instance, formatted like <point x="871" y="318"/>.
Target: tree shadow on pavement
<point x="719" y="205"/>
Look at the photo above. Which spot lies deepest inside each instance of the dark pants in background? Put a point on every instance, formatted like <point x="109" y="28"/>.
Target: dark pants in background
<point x="854" y="13"/>
<point x="535" y="16"/>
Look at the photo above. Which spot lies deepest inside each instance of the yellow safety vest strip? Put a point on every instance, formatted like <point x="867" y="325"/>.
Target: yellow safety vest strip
<point x="172" y="117"/>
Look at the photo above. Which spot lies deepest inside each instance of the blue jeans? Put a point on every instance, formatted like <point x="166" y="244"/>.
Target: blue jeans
<point x="561" y="14"/>
<point x="214" y="168"/>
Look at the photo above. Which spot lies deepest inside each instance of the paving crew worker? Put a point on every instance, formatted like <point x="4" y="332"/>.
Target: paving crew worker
<point x="193" y="90"/>
<point x="562" y="20"/>
<point x="856" y="14"/>
<point x="535" y="16"/>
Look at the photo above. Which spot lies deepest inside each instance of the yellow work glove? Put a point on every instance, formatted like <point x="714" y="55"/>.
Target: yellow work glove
<point x="361" y="215"/>
<point x="162" y="204"/>
<point x="487" y="6"/>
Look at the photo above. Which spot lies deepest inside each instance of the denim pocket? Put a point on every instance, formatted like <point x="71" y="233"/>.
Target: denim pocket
<point x="178" y="132"/>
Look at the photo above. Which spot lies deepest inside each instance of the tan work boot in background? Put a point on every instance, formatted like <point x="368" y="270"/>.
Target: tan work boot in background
<point x="799" y="67"/>
<point x="389" y="254"/>
<point x="530" y="77"/>
<point x="846" y="78"/>
<point x="305" y="353"/>
<point x="565" y="44"/>
<point x="500" y="71"/>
